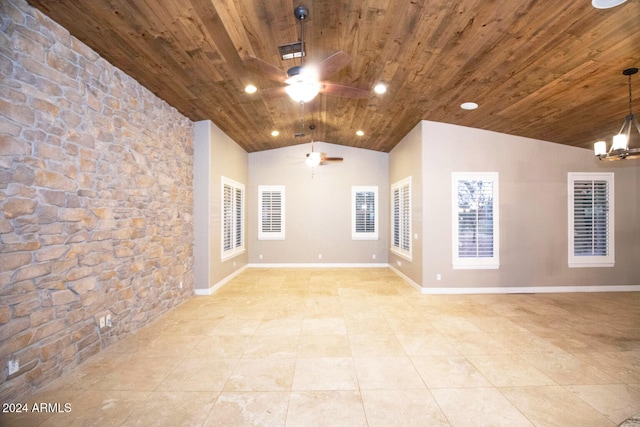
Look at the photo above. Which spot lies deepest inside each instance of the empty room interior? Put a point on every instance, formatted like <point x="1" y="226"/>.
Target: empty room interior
<point x="319" y="213"/>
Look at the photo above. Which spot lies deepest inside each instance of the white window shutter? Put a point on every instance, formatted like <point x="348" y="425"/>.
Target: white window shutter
<point x="401" y="218"/>
<point x="364" y="213"/>
<point x="591" y="242"/>
<point x="475" y="220"/>
<point x="271" y="224"/>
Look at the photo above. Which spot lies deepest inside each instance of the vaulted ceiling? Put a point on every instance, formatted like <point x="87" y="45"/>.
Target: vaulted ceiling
<point x="543" y="69"/>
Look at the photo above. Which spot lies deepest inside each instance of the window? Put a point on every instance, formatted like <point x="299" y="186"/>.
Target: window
<point x="232" y="218"/>
<point x="364" y="213"/>
<point x="591" y="220"/>
<point x="271" y="212"/>
<point x="401" y="218"/>
<point x="475" y="220"/>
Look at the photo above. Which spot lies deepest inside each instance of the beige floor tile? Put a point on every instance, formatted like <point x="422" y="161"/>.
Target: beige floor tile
<point x="206" y="374"/>
<point x="323" y="326"/>
<point x="477" y="343"/>
<point x="99" y="408"/>
<point x="367" y="326"/>
<point x="554" y="406"/>
<point x="326" y="373"/>
<point x="623" y="366"/>
<point x="272" y="373"/>
<point x="509" y="370"/>
<point x="478" y="407"/>
<point x="567" y="369"/>
<point x="453" y="325"/>
<point x="176" y="408"/>
<point x="326" y="409"/>
<point x="280" y="326"/>
<point x="268" y="409"/>
<point x="616" y="401"/>
<point x="141" y="373"/>
<point x="221" y="346"/>
<point x="402" y="408"/>
<point x="272" y="345"/>
<point x="383" y="373"/>
<point x="324" y="346"/>
<point x="416" y="344"/>
<point x="269" y="334"/>
<point x="448" y="372"/>
<point x="375" y="345"/>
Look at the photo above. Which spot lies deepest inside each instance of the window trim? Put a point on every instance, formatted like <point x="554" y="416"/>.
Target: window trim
<point x="406" y="253"/>
<point x="608" y="260"/>
<point x="236" y="249"/>
<point x="458" y="262"/>
<point x="364" y="235"/>
<point x="271" y="235"/>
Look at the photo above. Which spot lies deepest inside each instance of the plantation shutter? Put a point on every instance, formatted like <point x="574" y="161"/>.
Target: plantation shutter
<point x="401" y="218"/>
<point x="364" y="213"/>
<point x="591" y="219"/>
<point x="475" y="220"/>
<point x="232" y="218"/>
<point x="271" y="215"/>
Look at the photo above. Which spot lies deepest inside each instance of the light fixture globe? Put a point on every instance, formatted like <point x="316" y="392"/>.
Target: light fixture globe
<point x="620" y="147"/>
<point x="606" y="4"/>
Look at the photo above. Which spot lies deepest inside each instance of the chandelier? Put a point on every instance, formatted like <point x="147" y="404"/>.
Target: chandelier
<point x="620" y="147"/>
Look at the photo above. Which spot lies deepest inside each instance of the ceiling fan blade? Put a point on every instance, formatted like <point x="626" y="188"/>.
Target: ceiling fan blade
<point x="344" y="91"/>
<point x="332" y="159"/>
<point x="332" y="64"/>
<point x="264" y="68"/>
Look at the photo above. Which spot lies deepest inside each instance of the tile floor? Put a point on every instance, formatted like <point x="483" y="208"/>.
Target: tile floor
<point x="361" y="347"/>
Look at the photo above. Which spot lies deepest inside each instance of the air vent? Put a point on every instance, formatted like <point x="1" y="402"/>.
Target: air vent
<point x="291" y="50"/>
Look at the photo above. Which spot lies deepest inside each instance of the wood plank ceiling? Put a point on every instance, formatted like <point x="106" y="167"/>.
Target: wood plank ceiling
<point x="543" y="69"/>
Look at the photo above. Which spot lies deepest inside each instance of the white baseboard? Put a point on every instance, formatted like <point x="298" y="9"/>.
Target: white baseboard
<point x="211" y="290"/>
<point x="406" y="278"/>
<point x="319" y="265"/>
<point x="528" y="290"/>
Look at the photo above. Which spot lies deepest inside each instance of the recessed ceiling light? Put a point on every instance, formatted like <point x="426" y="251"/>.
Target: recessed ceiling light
<point x="250" y="89"/>
<point x="380" y="88"/>
<point x="606" y="4"/>
<point x="359" y="133"/>
<point x="275" y="133"/>
<point x="468" y="105"/>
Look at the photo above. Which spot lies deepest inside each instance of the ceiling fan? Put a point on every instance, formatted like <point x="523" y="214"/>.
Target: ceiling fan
<point x="316" y="158"/>
<point x="303" y="83"/>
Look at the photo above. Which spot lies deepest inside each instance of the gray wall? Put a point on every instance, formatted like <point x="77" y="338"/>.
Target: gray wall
<point x="533" y="209"/>
<point x="215" y="155"/>
<point x="318" y="205"/>
<point x="405" y="160"/>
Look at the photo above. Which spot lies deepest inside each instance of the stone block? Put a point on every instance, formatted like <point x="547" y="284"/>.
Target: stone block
<point x="54" y="180"/>
<point x="82" y="286"/>
<point x="63" y="297"/>
<point x="32" y="271"/>
<point x="14" y="208"/>
<point x="12" y="261"/>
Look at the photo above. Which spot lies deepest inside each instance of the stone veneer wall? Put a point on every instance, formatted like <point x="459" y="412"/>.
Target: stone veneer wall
<point x="96" y="201"/>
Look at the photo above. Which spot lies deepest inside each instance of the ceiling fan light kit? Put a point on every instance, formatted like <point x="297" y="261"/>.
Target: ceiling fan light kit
<point x="606" y="4"/>
<point x="620" y="146"/>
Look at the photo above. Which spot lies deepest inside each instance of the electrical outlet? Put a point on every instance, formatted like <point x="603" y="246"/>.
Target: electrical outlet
<point x="438" y="276"/>
<point x="102" y="322"/>
<point x="108" y="321"/>
<point x="399" y="263"/>
<point x="180" y="284"/>
<point x="319" y="256"/>
<point x="13" y="366"/>
<point x="374" y="256"/>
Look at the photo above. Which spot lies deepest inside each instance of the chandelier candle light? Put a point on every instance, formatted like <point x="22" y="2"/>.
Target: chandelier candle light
<point x="620" y="148"/>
